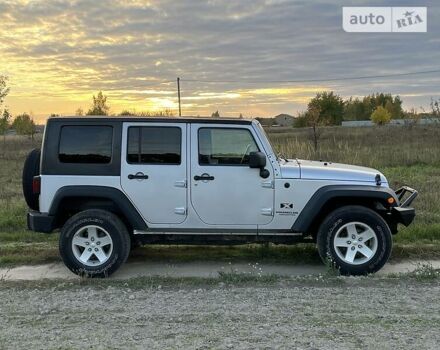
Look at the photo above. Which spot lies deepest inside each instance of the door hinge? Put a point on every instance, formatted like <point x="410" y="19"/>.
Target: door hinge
<point x="180" y="183"/>
<point x="267" y="211"/>
<point x="268" y="184"/>
<point x="180" y="211"/>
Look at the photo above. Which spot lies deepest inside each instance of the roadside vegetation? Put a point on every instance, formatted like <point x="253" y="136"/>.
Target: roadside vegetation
<point x="406" y="155"/>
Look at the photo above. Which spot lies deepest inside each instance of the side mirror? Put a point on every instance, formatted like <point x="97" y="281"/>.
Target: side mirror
<point x="257" y="160"/>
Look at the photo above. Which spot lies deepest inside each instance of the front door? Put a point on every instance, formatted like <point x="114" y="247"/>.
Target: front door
<point x="153" y="173"/>
<point x="224" y="190"/>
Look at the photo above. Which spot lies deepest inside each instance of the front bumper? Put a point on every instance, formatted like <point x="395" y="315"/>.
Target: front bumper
<point x="403" y="213"/>
<point x="40" y="222"/>
<point x="403" y="216"/>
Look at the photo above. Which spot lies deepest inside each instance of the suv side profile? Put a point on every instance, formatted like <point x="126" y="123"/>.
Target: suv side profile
<point x="113" y="183"/>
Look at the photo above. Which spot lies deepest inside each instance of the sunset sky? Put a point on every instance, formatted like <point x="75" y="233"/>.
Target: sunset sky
<point x="57" y="54"/>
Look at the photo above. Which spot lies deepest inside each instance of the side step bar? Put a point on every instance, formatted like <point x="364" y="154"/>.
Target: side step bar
<point x="240" y="233"/>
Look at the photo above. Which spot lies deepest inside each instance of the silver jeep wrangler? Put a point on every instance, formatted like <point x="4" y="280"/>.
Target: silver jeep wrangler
<point x="113" y="183"/>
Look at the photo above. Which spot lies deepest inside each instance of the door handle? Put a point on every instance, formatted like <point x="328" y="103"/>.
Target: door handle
<point x="204" y="177"/>
<point x="139" y="176"/>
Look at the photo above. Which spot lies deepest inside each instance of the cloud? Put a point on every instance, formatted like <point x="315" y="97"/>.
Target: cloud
<point x="134" y="50"/>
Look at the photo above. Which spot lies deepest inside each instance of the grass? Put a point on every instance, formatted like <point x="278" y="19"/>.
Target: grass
<point x="407" y="156"/>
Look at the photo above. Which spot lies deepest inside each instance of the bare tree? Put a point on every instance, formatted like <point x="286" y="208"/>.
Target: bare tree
<point x="79" y="112"/>
<point x="315" y="123"/>
<point x="161" y="114"/>
<point x="4" y="89"/>
<point x="411" y="118"/>
<point x="435" y="107"/>
<point x="5" y="116"/>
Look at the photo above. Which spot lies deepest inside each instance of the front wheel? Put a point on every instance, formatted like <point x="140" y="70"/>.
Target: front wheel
<point x="94" y="243"/>
<point x="355" y="239"/>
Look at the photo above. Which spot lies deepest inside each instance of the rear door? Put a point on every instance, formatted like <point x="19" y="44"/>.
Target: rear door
<point x="153" y="173"/>
<point x="224" y="190"/>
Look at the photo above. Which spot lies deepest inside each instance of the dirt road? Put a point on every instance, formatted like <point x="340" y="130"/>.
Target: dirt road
<point x="51" y="308"/>
<point x="348" y="313"/>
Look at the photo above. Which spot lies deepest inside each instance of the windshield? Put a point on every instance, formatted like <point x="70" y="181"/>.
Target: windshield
<point x="279" y="156"/>
<point x="263" y="132"/>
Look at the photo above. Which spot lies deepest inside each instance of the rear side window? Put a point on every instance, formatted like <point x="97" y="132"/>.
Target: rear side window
<point x="225" y="146"/>
<point x="154" y="145"/>
<point x="86" y="144"/>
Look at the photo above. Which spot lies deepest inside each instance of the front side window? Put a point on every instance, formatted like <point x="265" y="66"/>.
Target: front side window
<point x="85" y="144"/>
<point x="225" y="146"/>
<point x="154" y="145"/>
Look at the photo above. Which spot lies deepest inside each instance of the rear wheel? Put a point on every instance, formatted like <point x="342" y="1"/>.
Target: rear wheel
<point x="94" y="243"/>
<point x="355" y="239"/>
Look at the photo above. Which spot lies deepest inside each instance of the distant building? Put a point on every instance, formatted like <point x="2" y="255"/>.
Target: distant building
<point x="284" y="120"/>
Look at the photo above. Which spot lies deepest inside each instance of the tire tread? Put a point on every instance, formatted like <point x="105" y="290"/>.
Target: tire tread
<point x="123" y="249"/>
<point x="330" y="224"/>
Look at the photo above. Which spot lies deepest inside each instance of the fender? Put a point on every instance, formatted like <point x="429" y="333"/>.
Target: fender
<point x="116" y="196"/>
<point x="313" y="208"/>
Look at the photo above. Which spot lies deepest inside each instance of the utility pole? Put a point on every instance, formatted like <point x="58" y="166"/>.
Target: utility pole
<point x="178" y="95"/>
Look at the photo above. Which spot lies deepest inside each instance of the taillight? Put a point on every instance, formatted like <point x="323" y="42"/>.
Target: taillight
<point x="36" y="185"/>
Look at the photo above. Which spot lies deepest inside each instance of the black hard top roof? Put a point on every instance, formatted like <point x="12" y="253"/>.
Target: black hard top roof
<point x="202" y="120"/>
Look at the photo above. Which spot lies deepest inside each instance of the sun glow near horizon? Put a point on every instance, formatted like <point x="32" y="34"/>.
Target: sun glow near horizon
<point x="44" y="94"/>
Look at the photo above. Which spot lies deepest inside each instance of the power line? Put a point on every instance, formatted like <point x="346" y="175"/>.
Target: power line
<point x="312" y="80"/>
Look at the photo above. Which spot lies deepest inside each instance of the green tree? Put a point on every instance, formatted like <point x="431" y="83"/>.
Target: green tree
<point x="300" y="120"/>
<point x="354" y="109"/>
<point x="5" y="121"/>
<point x="381" y="116"/>
<point x="392" y="104"/>
<point x="24" y="125"/>
<point x="99" y="106"/>
<point x="216" y="114"/>
<point x="330" y="106"/>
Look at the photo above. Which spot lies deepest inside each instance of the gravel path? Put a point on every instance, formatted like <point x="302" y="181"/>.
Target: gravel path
<point x="353" y="314"/>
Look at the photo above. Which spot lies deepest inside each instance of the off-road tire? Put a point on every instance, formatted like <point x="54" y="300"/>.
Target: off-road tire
<point x="31" y="168"/>
<point x="115" y="228"/>
<point x="347" y="214"/>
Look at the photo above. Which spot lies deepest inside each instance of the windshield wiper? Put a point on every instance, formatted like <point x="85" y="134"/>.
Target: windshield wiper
<point x="280" y="156"/>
